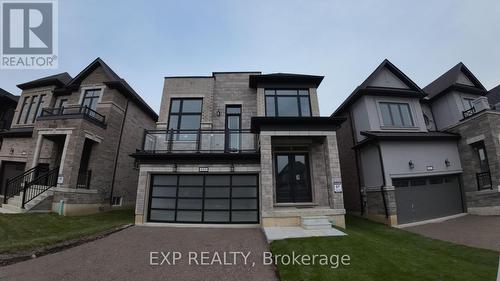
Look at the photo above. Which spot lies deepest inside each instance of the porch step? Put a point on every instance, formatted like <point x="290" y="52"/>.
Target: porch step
<point x="315" y="222"/>
<point x="14" y="203"/>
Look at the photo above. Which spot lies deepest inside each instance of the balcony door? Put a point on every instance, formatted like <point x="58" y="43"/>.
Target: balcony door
<point x="233" y="128"/>
<point x="91" y="98"/>
<point x="292" y="178"/>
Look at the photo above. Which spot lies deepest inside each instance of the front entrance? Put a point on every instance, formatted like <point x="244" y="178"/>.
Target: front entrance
<point x="182" y="198"/>
<point x="10" y="170"/>
<point x="426" y="198"/>
<point x="292" y="178"/>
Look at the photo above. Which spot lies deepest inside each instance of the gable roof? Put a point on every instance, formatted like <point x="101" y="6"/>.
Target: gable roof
<point x="114" y="82"/>
<point x="6" y="95"/>
<point x="448" y="80"/>
<point x="312" y="81"/>
<point x="494" y="95"/>
<point x="57" y="80"/>
<point x="365" y="88"/>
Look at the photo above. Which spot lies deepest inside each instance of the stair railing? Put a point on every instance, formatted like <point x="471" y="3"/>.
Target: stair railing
<point x="39" y="185"/>
<point x="15" y="185"/>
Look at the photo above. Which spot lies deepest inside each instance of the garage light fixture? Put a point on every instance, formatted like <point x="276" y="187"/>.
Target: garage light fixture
<point x="411" y="165"/>
<point x="447" y="163"/>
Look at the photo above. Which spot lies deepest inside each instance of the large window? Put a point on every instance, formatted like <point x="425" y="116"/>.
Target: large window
<point x="185" y="114"/>
<point x="287" y="103"/>
<point x="31" y="109"/>
<point x="468" y="103"/>
<point x="396" y="114"/>
<point x="91" y="98"/>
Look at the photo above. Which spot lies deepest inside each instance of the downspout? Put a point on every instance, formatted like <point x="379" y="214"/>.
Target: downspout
<point x="356" y="162"/>
<point x="117" y="154"/>
<point x="382" y="191"/>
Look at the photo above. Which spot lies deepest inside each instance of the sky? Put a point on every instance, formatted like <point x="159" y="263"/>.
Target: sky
<point x="144" y="41"/>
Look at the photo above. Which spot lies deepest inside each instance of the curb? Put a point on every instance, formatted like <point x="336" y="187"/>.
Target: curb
<point x="7" y="259"/>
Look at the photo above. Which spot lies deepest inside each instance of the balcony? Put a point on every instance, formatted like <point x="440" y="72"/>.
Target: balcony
<point x="200" y="142"/>
<point x="469" y="112"/>
<point x="73" y="112"/>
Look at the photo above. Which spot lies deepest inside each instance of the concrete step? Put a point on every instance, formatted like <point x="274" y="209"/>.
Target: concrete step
<point x="15" y="202"/>
<point x="315" y="222"/>
<point x="13" y="208"/>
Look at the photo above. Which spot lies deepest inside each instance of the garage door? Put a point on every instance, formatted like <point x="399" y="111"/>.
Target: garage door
<point x="204" y="199"/>
<point x="426" y="198"/>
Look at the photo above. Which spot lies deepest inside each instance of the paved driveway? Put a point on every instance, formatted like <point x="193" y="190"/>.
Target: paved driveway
<point x="126" y="256"/>
<point x="474" y="231"/>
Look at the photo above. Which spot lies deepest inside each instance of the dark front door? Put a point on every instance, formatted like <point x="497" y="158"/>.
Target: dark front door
<point x="233" y="126"/>
<point x="292" y="178"/>
<point x="10" y="170"/>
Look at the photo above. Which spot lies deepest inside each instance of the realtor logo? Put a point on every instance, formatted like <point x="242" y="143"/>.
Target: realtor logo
<point x="29" y="34"/>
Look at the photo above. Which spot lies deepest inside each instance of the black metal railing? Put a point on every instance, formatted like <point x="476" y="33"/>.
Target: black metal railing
<point x="15" y="185"/>
<point x="83" y="180"/>
<point x="469" y="112"/>
<point x="484" y="180"/>
<point x="82" y="111"/>
<point x="200" y="141"/>
<point x="39" y="185"/>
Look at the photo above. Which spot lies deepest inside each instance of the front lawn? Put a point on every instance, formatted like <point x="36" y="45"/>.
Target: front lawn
<point x="20" y="232"/>
<point x="378" y="252"/>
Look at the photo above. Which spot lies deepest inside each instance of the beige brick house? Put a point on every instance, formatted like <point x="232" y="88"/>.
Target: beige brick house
<point x="69" y="144"/>
<point x="240" y="148"/>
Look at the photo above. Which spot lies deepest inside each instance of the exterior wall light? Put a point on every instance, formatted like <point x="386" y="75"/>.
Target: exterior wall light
<point x="411" y="165"/>
<point x="447" y="163"/>
<point x="218" y="112"/>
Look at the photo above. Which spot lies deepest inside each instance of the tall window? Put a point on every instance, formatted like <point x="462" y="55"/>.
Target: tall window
<point x="31" y="109"/>
<point x="185" y="114"/>
<point x="90" y="98"/>
<point x="287" y="103"/>
<point x="396" y="114"/>
<point x="468" y="103"/>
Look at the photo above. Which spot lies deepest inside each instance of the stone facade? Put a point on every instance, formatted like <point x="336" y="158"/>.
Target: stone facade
<point x="228" y="88"/>
<point x="59" y="142"/>
<point x="483" y="127"/>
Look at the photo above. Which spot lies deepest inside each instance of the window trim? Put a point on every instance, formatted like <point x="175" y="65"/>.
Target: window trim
<point x="298" y="96"/>
<point x="180" y="113"/>
<point x="410" y="110"/>
<point x="23" y="105"/>
<point x="87" y="88"/>
<point x="38" y="111"/>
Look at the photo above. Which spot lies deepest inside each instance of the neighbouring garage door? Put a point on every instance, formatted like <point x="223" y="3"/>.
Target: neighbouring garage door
<point x="204" y="199"/>
<point x="426" y="198"/>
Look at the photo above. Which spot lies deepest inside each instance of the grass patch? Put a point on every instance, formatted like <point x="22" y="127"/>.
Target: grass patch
<point x="19" y="232"/>
<point x="382" y="253"/>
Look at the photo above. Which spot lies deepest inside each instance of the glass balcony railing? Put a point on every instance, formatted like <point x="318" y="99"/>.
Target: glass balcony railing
<point x="200" y="141"/>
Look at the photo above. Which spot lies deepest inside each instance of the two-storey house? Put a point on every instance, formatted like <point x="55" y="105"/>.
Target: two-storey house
<point x="241" y="148"/>
<point x="396" y="168"/>
<point x="68" y="149"/>
<point x="8" y="103"/>
<point x="460" y="105"/>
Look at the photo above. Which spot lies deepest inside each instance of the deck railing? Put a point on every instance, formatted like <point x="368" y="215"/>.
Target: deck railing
<point x="469" y="112"/>
<point x="82" y="111"/>
<point x="200" y="141"/>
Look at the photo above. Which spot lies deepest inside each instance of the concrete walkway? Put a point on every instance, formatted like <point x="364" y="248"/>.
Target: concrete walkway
<point x="126" y="256"/>
<point x="470" y="230"/>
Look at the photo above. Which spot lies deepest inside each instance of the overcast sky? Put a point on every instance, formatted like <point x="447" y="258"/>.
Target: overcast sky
<point x="143" y="41"/>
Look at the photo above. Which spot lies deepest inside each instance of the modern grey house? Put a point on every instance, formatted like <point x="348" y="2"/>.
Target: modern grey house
<point x="68" y="149"/>
<point x="460" y="105"/>
<point x="396" y="167"/>
<point x="409" y="154"/>
<point x="241" y="148"/>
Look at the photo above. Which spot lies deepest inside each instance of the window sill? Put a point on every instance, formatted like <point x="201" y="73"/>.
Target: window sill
<point x="305" y="204"/>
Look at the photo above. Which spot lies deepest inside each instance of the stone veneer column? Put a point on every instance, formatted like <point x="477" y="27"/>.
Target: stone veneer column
<point x="333" y="171"/>
<point x="261" y="107"/>
<point x="266" y="175"/>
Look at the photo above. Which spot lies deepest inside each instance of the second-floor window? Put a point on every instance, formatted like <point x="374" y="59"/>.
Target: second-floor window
<point x="31" y="108"/>
<point x="288" y="103"/>
<point x="396" y="114"/>
<point x="185" y="114"/>
<point x="468" y="103"/>
<point x="91" y="98"/>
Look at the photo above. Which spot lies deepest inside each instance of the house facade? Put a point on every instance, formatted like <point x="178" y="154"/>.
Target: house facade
<point x="240" y="148"/>
<point x="409" y="154"/>
<point x="69" y="144"/>
<point x="8" y="103"/>
<point x="396" y="168"/>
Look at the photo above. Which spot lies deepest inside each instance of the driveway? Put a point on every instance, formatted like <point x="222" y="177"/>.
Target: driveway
<point x="474" y="231"/>
<point x="126" y="256"/>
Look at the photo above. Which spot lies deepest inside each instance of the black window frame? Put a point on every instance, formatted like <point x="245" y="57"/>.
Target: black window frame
<point x="228" y="131"/>
<point x="289" y="155"/>
<point x="99" y="90"/>
<point x="179" y="115"/>
<point x="276" y="103"/>
<point x="23" y="107"/>
<point x="399" y="104"/>
<point x="39" y="108"/>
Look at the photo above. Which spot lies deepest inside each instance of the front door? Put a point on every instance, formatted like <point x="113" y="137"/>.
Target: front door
<point x="292" y="178"/>
<point x="10" y="170"/>
<point x="233" y="128"/>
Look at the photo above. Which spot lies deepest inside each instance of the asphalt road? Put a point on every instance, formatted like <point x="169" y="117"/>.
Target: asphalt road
<point x="126" y="255"/>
